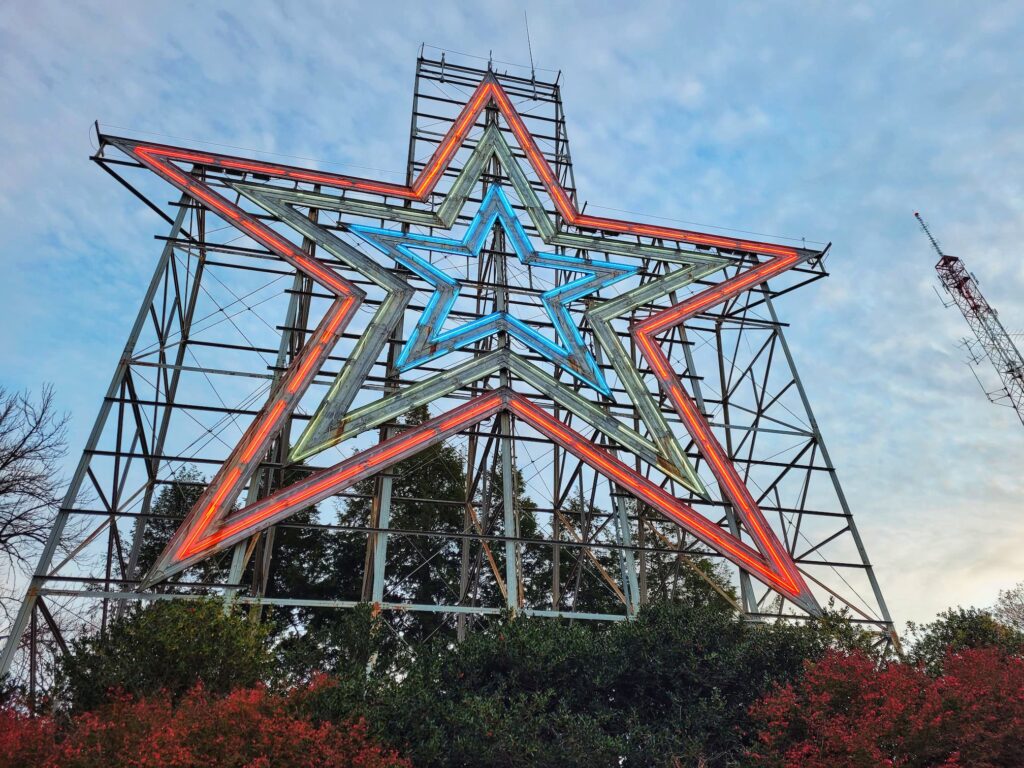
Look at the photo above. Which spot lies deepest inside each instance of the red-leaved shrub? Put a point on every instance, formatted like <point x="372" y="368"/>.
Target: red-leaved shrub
<point x="24" y="740"/>
<point x="848" y="712"/>
<point x="248" y="728"/>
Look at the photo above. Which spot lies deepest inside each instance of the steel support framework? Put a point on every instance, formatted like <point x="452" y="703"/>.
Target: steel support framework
<point x="225" y="318"/>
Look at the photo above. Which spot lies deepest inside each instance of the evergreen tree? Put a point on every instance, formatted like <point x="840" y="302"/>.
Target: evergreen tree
<point x="168" y="647"/>
<point x="173" y="501"/>
<point x="534" y="562"/>
<point x="671" y="688"/>
<point x="428" y="494"/>
<point x="583" y="586"/>
<point x="302" y="564"/>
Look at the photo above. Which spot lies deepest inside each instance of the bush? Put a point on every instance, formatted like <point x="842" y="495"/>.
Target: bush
<point x="960" y="629"/>
<point x="673" y="686"/>
<point x="524" y="694"/>
<point x="24" y="741"/>
<point x="684" y="678"/>
<point x="169" y="646"/>
<point x="249" y="727"/>
<point x="847" y="711"/>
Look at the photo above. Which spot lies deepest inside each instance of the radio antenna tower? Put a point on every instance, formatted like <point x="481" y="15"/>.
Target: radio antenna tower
<point x="989" y="332"/>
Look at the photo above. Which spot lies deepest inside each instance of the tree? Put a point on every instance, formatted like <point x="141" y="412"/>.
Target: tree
<point x="168" y="646"/>
<point x="32" y="443"/>
<point x="583" y="572"/>
<point x="302" y="564"/>
<point x="175" y="500"/>
<point x="356" y="648"/>
<point x="848" y="711"/>
<point x="247" y="727"/>
<point x="960" y="629"/>
<point x="520" y="693"/>
<point x="681" y="677"/>
<point x="428" y="494"/>
<point x="674" y="685"/>
<point x="1010" y="607"/>
<point x="534" y="562"/>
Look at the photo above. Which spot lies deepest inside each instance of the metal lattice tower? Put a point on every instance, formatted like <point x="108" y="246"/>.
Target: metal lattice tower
<point x="225" y="319"/>
<point x="989" y="334"/>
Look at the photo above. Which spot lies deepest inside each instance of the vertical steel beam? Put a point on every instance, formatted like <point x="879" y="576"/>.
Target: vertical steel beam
<point x="75" y="486"/>
<point x="556" y="528"/>
<point x="380" y="546"/>
<point x="512" y="581"/>
<point x="467" y="526"/>
<point x="833" y="475"/>
<point x="380" y="509"/>
<point x="33" y="655"/>
<point x="242" y="550"/>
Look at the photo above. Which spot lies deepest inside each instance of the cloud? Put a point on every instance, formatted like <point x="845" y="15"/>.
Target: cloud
<point x="788" y="119"/>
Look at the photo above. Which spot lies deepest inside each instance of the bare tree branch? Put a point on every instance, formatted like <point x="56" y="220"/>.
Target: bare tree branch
<point x="32" y="444"/>
<point x="1010" y="607"/>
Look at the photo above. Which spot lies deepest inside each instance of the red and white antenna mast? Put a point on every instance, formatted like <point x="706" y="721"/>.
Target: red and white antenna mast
<point x="990" y="335"/>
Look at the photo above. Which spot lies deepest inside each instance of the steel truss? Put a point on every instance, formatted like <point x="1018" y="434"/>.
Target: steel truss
<point x="224" y="318"/>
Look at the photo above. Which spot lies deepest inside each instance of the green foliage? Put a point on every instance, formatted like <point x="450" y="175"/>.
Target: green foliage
<point x="428" y="494"/>
<point x="684" y="674"/>
<point x="505" y="697"/>
<point x="960" y="629"/>
<point x="347" y="645"/>
<point x="168" y="646"/>
<point x="674" y="684"/>
<point x="172" y="503"/>
<point x="304" y="564"/>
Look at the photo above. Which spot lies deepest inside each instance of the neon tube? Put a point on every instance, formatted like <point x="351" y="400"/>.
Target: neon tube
<point x="489" y="91"/>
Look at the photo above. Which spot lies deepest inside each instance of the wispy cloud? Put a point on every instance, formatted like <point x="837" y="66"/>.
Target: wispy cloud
<point x="814" y="120"/>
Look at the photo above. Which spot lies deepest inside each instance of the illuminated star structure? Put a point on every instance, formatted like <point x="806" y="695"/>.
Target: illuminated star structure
<point x="216" y="522"/>
<point x="428" y="340"/>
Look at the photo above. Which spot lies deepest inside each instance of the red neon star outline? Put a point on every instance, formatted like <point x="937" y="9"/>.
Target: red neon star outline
<point x="206" y="531"/>
<point x="244" y="459"/>
<point x="730" y="483"/>
<point x="331" y="481"/>
<point x="489" y="90"/>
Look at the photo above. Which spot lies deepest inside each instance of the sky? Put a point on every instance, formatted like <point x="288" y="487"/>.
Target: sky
<point x="825" y="121"/>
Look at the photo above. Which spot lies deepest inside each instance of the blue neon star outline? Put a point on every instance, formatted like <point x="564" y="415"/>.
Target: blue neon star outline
<point x="428" y="340"/>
